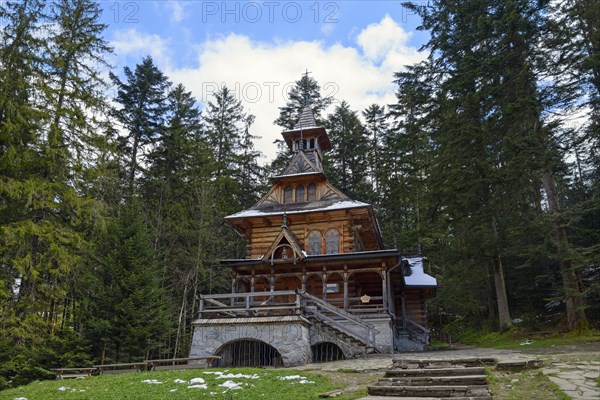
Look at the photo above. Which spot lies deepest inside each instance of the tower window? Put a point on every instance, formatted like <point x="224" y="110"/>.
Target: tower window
<point x="299" y="194"/>
<point x="312" y="143"/>
<point x="314" y="243"/>
<point x="287" y="195"/>
<point x="304" y="143"/>
<point x="312" y="192"/>
<point x="332" y="239"/>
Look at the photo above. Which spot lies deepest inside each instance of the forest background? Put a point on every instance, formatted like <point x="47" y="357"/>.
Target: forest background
<point x="112" y="204"/>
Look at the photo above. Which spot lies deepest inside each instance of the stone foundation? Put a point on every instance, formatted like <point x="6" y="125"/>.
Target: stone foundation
<point x="288" y="335"/>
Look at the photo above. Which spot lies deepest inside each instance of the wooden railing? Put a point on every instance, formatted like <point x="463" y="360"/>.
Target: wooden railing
<point x="249" y="304"/>
<point x="324" y="311"/>
<point x="441" y="336"/>
<point x="286" y="302"/>
<point x="415" y="331"/>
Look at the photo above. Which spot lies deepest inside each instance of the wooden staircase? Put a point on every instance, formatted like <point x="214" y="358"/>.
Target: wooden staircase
<point x="457" y="379"/>
<point x="339" y="323"/>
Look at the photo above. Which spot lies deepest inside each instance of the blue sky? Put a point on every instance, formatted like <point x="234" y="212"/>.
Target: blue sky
<point x="259" y="48"/>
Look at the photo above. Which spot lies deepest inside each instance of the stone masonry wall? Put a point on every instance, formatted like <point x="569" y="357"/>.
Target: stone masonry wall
<point x="291" y="339"/>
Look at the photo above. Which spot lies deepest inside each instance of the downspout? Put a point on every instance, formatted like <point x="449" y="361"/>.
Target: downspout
<point x="389" y="289"/>
<point x="391" y="301"/>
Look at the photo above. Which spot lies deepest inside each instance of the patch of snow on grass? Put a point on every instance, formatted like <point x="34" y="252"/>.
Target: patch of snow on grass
<point x="152" y="381"/>
<point x="63" y="388"/>
<point x="213" y="372"/>
<point x="230" y="376"/>
<point x="195" y="381"/>
<point x="20" y="398"/>
<point x="291" y="377"/>
<point x="231" y="385"/>
<point x="305" y="381"/>
<point x="197" y="387"/>
<point x="179" y="381"/>
<point x="173" y="390"/>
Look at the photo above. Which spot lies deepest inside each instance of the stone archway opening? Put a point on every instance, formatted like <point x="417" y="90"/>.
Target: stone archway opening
<point x="326" y="351"/>
<point x="249" y="353"/>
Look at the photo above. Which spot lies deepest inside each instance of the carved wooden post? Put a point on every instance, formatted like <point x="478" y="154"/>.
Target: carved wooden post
<point x="252" y="287"/>
<point x="303" y="279"/>
<point x="384" y="289"/>
<point x="346" y="278"/>
<point x="324" y="295"/>
<point x="233" y="289"/>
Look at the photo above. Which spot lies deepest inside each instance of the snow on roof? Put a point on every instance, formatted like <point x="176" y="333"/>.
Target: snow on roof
<point x="335" y="206"/>
<point x="297" y="174"/>
<point x="418" y="277"/>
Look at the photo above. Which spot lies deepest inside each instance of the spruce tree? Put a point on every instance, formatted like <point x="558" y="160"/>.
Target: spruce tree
<point x="348" y="157"/>
<point x="305" y="92"/>
<point x="376" y="126"/>
<point x="143" y="101"/>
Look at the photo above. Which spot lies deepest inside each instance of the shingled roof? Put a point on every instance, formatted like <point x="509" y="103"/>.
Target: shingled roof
<point x="306" y="120"/>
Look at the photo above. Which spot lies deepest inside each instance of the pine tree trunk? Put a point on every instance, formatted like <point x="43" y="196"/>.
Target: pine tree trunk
<point x="574" y="307"/>
<point x="498" y="271"/>
<point x="503" y="312"/>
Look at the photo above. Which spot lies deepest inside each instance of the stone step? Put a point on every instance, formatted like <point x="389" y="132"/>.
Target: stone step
<point x="462" y="371"/>
<point x="423" y="398"/>
<point x="430" y="391"/>
<point x="466" y="380"/>
<point x="408" y="363"/>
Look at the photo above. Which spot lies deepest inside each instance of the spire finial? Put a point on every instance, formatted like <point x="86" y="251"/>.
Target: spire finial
<point x="284" y="222"/>
<point x="306" y="88"/>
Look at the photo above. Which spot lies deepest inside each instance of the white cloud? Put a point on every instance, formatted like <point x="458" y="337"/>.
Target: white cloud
<point x="384" y="39"/>
<point x="260" y="72"/>
<point x="177" y="9"/>
<point x="133" y="44"/>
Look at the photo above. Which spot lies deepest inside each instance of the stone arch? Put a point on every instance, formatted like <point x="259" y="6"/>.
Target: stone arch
<point x="326" y="351"/>
<point x="249" y="353"/>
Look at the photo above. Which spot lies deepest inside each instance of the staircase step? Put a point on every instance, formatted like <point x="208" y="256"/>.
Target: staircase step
<point x="423" y="398"/>
<point x="466" y="380"/>
<point x="461" y="371"/>
<point x="430" y="391"/>
<point x="443" y="363"/>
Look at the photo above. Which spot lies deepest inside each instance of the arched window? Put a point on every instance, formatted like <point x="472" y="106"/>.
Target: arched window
<point x="314" y="243"/>
<point x="304" y="144"/>
<point x="312" y="143"/>
<point x="287" y="195"/>
<point x="299" y="194"/>
<point x="332" y="239"/>
<point x="297" y="142"/>
<point x="312" y="192"/>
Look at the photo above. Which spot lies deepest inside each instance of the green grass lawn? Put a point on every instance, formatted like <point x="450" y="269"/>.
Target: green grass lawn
<point x="529" y="384"/>
<point x="520" y="340"/>
<point x="255" y="384"/>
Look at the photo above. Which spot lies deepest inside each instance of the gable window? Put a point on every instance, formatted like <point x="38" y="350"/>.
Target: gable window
<point x="312" y="192"/>
<point x="287" y="195"/>
<point x="332" y="239"/>
<point x="314" y="243"/>
<point x="299" y="194"/>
